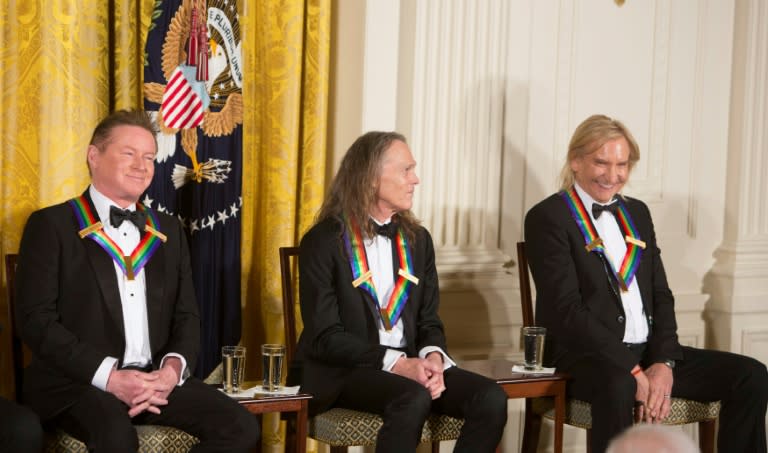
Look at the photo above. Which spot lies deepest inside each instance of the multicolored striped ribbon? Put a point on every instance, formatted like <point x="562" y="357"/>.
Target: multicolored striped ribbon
<point x="635" y="246"/>
<point x="363" y="277"/>
<point x="593" y="242"/>
<point x="131" y="264"/>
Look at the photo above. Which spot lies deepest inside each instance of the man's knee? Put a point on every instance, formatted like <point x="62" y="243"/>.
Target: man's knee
<point x="620" y="387"/>
<point x="756" y="381"/>
<point x="114" y="436"/>
<point x="414" y="404"/>
<point x="490" y="404"/>
<point x="249" y="428"/>
<point x="22" y="431"/>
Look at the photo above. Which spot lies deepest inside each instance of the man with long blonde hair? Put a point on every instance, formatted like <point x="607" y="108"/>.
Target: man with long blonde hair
<point x="372" y="338"/>
<point x="603" y="296"/>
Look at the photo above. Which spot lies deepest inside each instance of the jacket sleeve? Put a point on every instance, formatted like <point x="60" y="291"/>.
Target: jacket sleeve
<point x="663" y="342"/>
<point x="184" y="330"/>
<point x="430" y="330"/>
<point x="37" y="297"/>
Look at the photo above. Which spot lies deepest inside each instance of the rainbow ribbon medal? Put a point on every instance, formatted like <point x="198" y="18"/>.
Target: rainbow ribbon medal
<point x="635" y="246"/>
<point x="130" y="264"/>
<point x="593" y="242"/>
<point x="363" y="277"/>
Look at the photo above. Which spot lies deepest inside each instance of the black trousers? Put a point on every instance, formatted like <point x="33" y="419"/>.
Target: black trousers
<point x="20" y="430"/>
<point x="739" y="382"/>
<point x="404" y="405"/>
<point x="101" y="421"/>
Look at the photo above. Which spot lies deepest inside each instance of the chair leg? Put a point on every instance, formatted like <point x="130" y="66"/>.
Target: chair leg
<point x="436" y="446"/>
<point x="589" y="440"/>
<point x="707" y="436"/>
<point x="531" y="429"/>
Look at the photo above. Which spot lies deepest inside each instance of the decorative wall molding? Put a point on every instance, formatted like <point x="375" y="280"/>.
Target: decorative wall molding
<point x="739" y="279"/>
<point x="754" y="342"/>
<point x="457" y="126"/>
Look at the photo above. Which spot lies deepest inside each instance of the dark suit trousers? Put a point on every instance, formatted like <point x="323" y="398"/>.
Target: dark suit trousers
<point x="101" y="421"/>
<point x="404" y="405"/>
<point x="20" y="429"/>
<point x="739" y="382"/>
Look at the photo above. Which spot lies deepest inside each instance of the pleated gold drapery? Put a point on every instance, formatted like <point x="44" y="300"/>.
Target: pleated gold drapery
<point x="287" y="92"/>
<point x="64" y="64"/>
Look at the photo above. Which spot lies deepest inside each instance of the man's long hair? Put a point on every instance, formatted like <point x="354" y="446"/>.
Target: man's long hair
<point x="353" y="190"/>
<point x="590" y="136"/>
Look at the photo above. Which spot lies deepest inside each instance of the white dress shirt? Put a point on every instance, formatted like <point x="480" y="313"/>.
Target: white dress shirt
<point x="378" y="250"/>
<point x="133" y="298"/>
<point x="636" y="327"/>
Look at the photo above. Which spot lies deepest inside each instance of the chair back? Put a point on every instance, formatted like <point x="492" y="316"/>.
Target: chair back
<point x="17" y="351"/>
<point x="526" y="301"/>
<point x="289" y="308"/>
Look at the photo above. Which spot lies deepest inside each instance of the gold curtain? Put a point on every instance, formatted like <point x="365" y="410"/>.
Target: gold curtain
<point x="285" y="128"/>
<point x="64" y="64"/>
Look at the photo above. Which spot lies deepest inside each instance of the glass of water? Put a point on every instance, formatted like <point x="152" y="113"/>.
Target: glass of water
<point x="533" y="340"/>
<point x="233" y="360"/>
<point x="272" y="360"/>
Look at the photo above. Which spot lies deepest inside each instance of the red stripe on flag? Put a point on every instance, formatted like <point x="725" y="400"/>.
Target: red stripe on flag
<point x="178" y="98"/>
<point x="179" y="104"/>
<point x="180" y="112"/>
<point x="182" y="107"/>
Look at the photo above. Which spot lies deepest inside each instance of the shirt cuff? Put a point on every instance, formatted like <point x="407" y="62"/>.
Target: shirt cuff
<point x="101" y="377"/>
<point x="390" y="357"/>
<point x="447" y="362"/>
<point x="184" y="371"/>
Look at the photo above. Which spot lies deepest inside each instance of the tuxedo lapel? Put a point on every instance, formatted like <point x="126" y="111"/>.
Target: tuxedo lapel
<point x="371" y="302"/>
<point x="367" y="298"/>
<point x="155" y="289"/>
<point x="104" y="271"/>
<point x="643" y="271"/>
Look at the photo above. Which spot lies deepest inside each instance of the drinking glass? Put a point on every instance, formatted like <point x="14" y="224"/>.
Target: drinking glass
<point x="533" y="339"/>
<point x="233" y="358"/>
<point x="272" y="360"/>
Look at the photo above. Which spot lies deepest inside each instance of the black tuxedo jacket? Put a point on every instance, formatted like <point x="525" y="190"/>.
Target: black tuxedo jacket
<point x="577" y="297"/>
<point x="341" y="321"/>
<point x="69" y="310"/>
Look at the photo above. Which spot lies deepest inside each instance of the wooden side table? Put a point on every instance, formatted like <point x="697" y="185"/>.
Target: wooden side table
<point x="294" y="406"/>
<point x="522" y="385"/>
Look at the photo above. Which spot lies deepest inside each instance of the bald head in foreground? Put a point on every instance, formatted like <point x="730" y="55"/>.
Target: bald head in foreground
<point x="657" y="438"/>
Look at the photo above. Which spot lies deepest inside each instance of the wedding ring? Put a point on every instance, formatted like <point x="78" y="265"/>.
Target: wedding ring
<point x="667" y="396"/>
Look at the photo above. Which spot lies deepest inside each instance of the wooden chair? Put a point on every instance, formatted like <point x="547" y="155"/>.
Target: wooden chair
<point x="152" y="438"/>
<point x="579" y="413"/>
<point x="342" y="428"/>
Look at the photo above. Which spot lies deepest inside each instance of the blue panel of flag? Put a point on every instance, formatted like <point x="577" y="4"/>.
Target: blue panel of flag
<point x="193" y="88"/>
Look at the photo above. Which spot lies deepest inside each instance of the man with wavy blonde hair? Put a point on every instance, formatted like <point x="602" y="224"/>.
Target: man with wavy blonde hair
<point x="603" y="296"/>
<point x="591" y="135"/>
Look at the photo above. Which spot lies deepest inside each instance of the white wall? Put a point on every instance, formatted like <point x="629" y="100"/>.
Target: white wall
<point x="488" y="93"/>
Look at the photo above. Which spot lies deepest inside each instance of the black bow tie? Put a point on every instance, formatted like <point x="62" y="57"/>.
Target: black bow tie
<point x="598" y="209"/>
<point x="117" y="216"/>
<point x="387" y="230"/>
